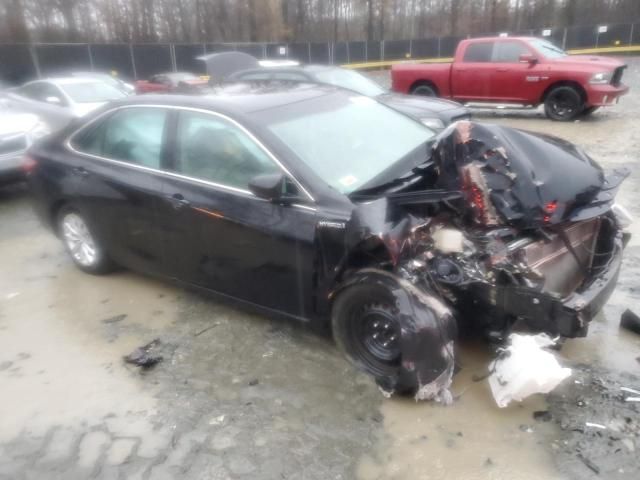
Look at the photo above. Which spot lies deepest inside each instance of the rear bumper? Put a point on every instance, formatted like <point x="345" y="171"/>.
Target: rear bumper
<point x="603" y="95"/>
<point x="567" y="317"/>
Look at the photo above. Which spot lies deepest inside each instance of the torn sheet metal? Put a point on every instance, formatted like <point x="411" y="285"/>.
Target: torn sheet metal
<point x="524" y="368"/>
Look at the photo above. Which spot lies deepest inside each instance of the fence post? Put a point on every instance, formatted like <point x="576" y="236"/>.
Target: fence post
<point x="631" y="34"/>
<point x="309" y="52"/>
<point x="34" y="59"/>
<point x="366" y="51"/>
<point x="133" y="62"/>
<point x="439" y="38"/>
<point x="564" y="39"/>
<point x="382" y="50"/>
<point x="90" y="56"/>
<point x="410" y="48"/>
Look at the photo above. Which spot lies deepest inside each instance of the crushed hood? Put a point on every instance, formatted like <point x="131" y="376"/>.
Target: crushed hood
<point x="523" y="179"/>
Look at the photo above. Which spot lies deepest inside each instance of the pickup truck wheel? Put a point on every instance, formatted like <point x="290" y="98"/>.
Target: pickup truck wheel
<point x="424" y="90"/>
<point x="563" y="104"/>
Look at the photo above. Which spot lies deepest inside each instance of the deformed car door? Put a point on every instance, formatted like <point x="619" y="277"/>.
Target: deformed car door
<point x="116" y="181"/>
<point x="218" y="234"/>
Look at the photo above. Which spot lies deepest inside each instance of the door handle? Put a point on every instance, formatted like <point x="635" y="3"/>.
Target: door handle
<point x="178" y="201"/>
<point x="80" y="171"/>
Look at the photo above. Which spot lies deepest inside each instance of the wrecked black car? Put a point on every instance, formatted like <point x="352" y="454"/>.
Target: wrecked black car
<point x="326" y="206"/>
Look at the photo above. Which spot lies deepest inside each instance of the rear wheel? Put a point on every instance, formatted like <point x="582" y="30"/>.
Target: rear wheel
<point x="81" y="243"/>
<point x="425" y="90"/>
<point x="563" y="104"/>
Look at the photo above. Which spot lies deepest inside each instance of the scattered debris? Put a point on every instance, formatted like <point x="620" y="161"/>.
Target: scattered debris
<point x="219" y="420"/>
<point x="145" y="356"/>
<point x="524" y="368"/>
<point x="488" y="462"/>
<point x="630" y="321"/>
<point x="632" y="399"/>
<point x="630" y="390"/>
<point x="254" y="382"/>
<point x="12" y="295"/>
<point x="592" y="466"/>
<point x="595" y="425"/>
<point x="115" y="319"/>
<point x="542" y="416"/>
<point x="210" y="327"/>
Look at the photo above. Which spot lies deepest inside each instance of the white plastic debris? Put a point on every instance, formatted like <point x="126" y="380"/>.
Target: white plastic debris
<point x="524" y="368"/>
<point x="630" y="390"/>
<point x="595" y="425"/>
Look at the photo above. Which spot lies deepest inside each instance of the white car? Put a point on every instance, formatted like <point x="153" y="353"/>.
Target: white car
<point x="17" y="132"/>
<point x="57" y="101"/>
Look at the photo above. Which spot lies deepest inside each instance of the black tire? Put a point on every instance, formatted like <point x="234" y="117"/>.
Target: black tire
<point x="424" y="90"/>
<point x="97" y="263"/>
<point x="401" y="337"/>
<point x="563" y="104"/>
<point x="589" y="110"/>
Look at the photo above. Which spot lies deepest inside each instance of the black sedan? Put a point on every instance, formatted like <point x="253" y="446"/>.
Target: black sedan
<point x="326" y="206"/>
<point x="435" y="113"/>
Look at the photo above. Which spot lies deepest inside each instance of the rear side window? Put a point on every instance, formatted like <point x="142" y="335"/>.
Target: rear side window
<point x="255" y="77"/>
<point x="478" y="52"/>
<point x="132" y="135"/>
<point x="509" y="52"/>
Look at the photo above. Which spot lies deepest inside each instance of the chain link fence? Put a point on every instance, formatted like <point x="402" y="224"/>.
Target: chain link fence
<point x="19" y="63"/>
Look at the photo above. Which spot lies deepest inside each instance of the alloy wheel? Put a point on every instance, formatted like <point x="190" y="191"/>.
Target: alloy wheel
<point x="79" y="240"/>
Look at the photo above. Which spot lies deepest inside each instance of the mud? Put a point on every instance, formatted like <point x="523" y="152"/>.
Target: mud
<point x="243" y="396"/>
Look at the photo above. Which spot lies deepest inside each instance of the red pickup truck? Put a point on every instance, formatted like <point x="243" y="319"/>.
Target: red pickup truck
<point x="518" y="70"/>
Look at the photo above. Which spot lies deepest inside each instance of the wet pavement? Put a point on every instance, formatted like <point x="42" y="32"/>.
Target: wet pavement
<point x="238" y="395"/>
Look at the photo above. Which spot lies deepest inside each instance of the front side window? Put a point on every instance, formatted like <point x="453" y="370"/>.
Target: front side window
<point x="509" y="52"/>
<point x="547" y="49"/>
<point x="213" y="149"/>
<point x="350" y="80"/>
<point x="478" y="52"/>
<point x="132" y="135"/>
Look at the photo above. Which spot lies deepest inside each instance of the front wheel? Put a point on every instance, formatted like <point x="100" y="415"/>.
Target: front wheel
<point x="81" y="243"/>
<point x="563" y="104"/>
<point x="398" y="334"/>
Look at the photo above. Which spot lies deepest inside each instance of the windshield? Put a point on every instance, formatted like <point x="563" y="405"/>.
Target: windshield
<point x="350" y="80"/>
<point x="91" y="92"/>
<point x="346" y="141"/>
<point x="548" y="49"/>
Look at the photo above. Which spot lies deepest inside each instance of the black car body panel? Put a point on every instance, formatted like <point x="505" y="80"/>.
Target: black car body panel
<point x="419" y="108"/>
<point x="449" y="252"/>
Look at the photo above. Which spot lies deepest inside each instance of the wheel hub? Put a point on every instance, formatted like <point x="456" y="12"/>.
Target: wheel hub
<point x="79" y="240"/>
<point x="380" y="332"/>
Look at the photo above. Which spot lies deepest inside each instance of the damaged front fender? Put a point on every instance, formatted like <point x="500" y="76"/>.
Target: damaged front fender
<point x="427" y="333"/>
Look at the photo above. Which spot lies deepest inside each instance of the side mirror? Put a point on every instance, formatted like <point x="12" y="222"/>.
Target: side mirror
<point x="272" y="187"/>
<point x="527" y="58"/>
<point x="53" y="100"/>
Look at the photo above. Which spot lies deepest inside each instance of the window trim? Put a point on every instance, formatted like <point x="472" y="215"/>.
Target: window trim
<point x="470" y="45"/>
<point x="69" y="146"/>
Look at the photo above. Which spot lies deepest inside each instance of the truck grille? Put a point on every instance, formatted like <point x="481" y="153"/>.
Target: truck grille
<point x="555" y="262"/>
<point x="616" y="80"/>
<point x="12" y="144"/>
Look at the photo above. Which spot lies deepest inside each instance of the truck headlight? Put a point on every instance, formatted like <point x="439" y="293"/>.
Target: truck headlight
<point x="434" y="123"/>
<point x="601" y="78"/>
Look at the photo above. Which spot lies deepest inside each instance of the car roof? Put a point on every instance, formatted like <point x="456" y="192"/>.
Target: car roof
<point x="66" y="80"/>
<point x="241" y="98"/>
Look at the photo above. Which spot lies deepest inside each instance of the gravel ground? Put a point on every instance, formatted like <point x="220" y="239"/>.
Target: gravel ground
<point x="242" y="396"/>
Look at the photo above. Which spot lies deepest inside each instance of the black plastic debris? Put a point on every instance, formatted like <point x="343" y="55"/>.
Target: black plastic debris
<point x="630" y="321"/>
<point x="542" y="416"/>
<point x="115" y="319"/>
<point x="145" y="356"/>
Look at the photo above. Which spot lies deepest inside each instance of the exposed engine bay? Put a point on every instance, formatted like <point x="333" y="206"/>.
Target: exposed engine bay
<point x="505" y="230"/>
